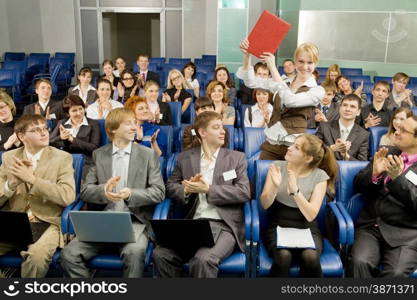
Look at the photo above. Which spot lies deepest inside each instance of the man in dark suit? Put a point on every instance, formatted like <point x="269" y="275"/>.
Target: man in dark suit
<point x="134" y="172"/>
<point x="51" y="110"/>
<point x="144" y="74"/>
<point x="386" y="231"/>
<point x="348" y="140"/>
<point x="327" y="110"/>
<point x="212" y="182"/>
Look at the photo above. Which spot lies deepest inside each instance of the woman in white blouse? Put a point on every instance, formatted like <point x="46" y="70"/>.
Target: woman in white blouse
<point x="104" y="104"/>
<point x="259" y="114"/>
<point x="120" y="66"/>
<point x="190" y="71"/>
<point x="84" y="89"/>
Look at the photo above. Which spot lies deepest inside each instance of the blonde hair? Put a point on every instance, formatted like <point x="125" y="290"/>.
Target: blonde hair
<point x="333" y="68"/>
<point x="5" y="98"/>
<point x="211" y="87"/>
<point x="115" y="118"/>
<point x="311" y="49"/>
<point x="172" y="72"/>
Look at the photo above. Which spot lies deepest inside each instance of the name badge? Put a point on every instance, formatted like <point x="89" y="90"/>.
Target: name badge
<point x="411" y="176"/>
<point x="193" y="132"/>
<point x="52" y="116"/>
<point x="161" y="116"/>
<point x="146" y="138"/>
<point x="0" y="137"/>
<point x="229" y="175"/>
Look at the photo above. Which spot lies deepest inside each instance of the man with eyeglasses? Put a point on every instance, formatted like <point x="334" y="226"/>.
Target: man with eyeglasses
<point x="37" y="179"/>
<point x="386" y="231"/>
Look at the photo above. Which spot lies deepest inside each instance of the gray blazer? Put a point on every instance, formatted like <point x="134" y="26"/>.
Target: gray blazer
<point x="91" y="95"/>
<point x="227" y="196"/>
<point x="144" y="180"/>
<point x="329" y="132"/>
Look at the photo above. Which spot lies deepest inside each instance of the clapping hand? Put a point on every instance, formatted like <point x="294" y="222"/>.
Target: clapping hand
<point x="196" y="184"/>
<point x="112" y="196"/>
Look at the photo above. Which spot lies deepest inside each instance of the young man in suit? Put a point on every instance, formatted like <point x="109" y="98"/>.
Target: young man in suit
<point x="189" y="138"/>
<point x="327" y="110"/>
<point x="37" y="179"/>
<point x="134" y="172"/>
<point x="378" y="113"/>
<point x="51" y="110"/>
<point x="347" y="139"/>
<point x="144" y="74"/>
<point x="400" y="96"/>
<point x="386" y="231"/>
<point x="212" y="182"/>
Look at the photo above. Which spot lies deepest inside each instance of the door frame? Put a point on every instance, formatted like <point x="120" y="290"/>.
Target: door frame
<point x="135" y="10"/>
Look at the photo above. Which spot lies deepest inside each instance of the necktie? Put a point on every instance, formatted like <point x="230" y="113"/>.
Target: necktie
<point x="325" y="109"/>
<point x="143" y="77"/>
<point x="120" y="170"/>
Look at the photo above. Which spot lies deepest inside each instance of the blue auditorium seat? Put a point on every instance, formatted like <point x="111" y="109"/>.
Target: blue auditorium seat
<point x="375" y="135"/>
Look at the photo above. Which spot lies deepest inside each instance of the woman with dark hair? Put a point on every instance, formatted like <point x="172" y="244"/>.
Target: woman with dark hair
<point x="160" y="110"/>
<point x="108" y="68"/>
<point x="399" y="115"/>
<point x="104" y="104"/>
<point x="120" y="66"/>
<point x="222" y="75"/>
<point x="84" y="89"/>
<point x="293" y="195"/>
<point x="190" y="71"/>
<point x="77" y="134"/>
<point x="344" y="87"/>
<point x="127" y="86"/>
<point x="8" y="138"/>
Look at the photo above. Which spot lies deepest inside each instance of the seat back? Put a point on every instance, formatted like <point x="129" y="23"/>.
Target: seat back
<point x="103" y="135"/>
<point x="68" y="55"/>
<point x="375" y="135"/>
<point x="359" y="78"/>
<point x="386" y="78"/>
<point x="253" y="139"/>
<point x="19" y="65"/>
<point x="78" y="165"/>
<point x="14" y="56"/>
<point x="367" y="87"/>
<point x="351" y="71"/>
<point x="180" y="61"/>
<point x="168" y="135"/>
<point x="176" y="113"/>
<point x="344" y="183"/>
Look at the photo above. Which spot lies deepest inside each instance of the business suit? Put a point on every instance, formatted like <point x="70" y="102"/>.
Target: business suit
<point x="392" y="105"/>
<point x="91" y="95"/>
<point x="147" y="189"/>
<point x="55" y="107"/>
<point x="151" y="76"/>
<point x="386" y="230"/>
<point x="86" y="141"/>
<point x="227" y="197"/>
<point x="331" y="114"/>
<point x="329" y="132"/>
<point x="165" y="110"/>
<point x="53" y="189"/>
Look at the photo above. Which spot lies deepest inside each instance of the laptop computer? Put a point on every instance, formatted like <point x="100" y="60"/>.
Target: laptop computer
<point x="103" y="226"/>
<point x="185" y="236"/>
<point x="15" y="228"/>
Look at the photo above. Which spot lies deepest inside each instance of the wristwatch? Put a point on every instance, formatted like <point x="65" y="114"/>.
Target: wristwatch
<point x="295" y="194"/>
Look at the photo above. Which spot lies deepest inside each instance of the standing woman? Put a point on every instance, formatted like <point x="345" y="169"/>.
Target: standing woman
<point x="108" y="68"/>
<point x="84" y="89"/>
<point x="222" y="74"/>
<point x="189" y="72"/>
<point x="77" y="134"/>
<point x="127" y="86"/>
<point x="293" y="194"/>
<point x="8" y="138"/>
<point x="176" y="90"/>
<point x="217" y="92"/>
<point x="120" y="66"/>
<point x="160" y="110"/>
<point x="104" y="104"/>
<point x="147" y="134"/>
<point x="294" y="100"/>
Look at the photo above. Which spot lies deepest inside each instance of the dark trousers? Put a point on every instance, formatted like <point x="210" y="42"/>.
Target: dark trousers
<point x="205" y="262"/>
<point x="370" y="250"/>
<point x="273" y="152"/>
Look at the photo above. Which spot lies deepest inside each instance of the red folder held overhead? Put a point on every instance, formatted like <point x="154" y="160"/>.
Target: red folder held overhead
<point x="267" y="35"/>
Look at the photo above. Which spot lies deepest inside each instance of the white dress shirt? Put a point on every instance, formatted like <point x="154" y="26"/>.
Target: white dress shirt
<point x="344" y="131"/>
<point x="204" y="209"/>
<point x="257" y="116"/>
<point x="92" y="109"/>
<point x="74" y="130"/>
<point x="80" y="94"/>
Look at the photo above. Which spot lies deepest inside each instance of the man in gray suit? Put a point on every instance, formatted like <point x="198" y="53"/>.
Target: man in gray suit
<point x="134" y="172"/>
<point x="212" y="182"/>
<point x="348" y="140"/>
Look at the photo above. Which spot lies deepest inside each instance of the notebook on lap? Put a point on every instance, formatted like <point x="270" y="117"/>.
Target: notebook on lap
<point x="103" y="226"/>
<point x="15" y="228"/>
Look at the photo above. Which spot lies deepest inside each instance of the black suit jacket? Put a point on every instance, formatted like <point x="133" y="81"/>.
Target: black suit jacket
<point x="227" y="196"/>
<point x="86" y="141"/>
<point x="329" y="132"/>
<point x="91" y="95"/>
<point x="331" y="115"/>
<point x="393" y="206"/>
<point x="165" y="110"/>
<point x="55" y="107"/>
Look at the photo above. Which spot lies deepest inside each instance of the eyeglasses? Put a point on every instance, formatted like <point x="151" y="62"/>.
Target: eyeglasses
<point x="39" y="130"/>
<point x="127" y="78"/>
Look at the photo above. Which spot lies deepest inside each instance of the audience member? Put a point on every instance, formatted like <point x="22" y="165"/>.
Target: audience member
<point x="288" y="66"/>
<point x="244" y="93"/>
<point x="84" y="89"/>
<point x="127" y="86"/>
<point x="345" y="88"/>
<point x="259" y="114"/>
<point x="176" y="90"/>
<point x="377" y="113"/>
<point x="161" y="110"/>
<point x="400" y="96"/>
<point x="221" y="74"/>
<point x="8" y="138"/>
<point x="217" y="92"/>
<point x="120" y="66"/>
<point x="397" y="118"/>
<point x="327" y="110"/>
<point x="104" y="104"/>
<point x="144" y="73"/>
<point x="189" y="71"/>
